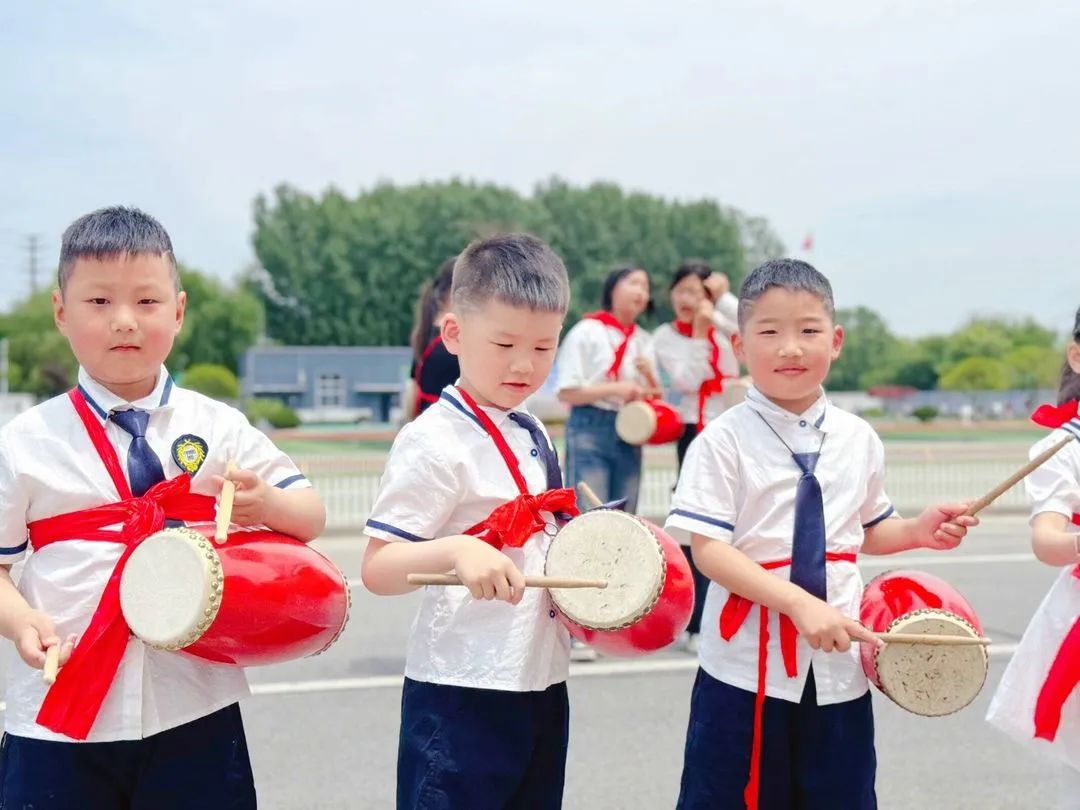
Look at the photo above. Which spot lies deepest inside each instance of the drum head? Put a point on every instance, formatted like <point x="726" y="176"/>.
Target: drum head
<point x="612" y="545"/>
<point x="171" y="588"/>
<point x="635" y="423"/>
<point x="932" y="680"/>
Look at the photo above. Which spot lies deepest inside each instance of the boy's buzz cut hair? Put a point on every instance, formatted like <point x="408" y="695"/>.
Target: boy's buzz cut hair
<point x="113" y="232"/>
<point x="516" y="269"/>
<point x="789" y="274"/>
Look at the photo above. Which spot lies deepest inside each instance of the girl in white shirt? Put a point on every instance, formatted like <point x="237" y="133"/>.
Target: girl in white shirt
<point x="605" y="361"/>
<point x="1037" y="700"/>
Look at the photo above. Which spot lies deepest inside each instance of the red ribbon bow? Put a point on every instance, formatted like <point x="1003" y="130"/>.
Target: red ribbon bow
<point x="513" y="523"/>
<point x="1054" y="416"/>
<point x="74" y="700"/>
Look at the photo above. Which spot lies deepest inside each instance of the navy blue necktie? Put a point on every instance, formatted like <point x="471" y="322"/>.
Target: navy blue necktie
<point x="808" y="543"/>
<point x="547" y="455"/>
<point x="144" y="467"/>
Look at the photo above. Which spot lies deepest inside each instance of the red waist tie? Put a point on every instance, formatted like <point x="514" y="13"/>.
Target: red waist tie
<point x="1061" y="681"/>
<point x="732" y="617"/>
<point x="73" y="702"/>
<point x="513" y="523"/>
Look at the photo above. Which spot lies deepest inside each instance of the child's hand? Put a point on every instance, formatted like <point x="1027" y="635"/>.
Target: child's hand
<point x="626" y="390"/>
<point x="703" y="318"/>
<point x="34" y="632"/>
<point x="717" y="284"/>
<point x="943" y="526"/>
<point x="826" y="628"/>
<point x="253" y="495"/>
<point x="488" y="573"/>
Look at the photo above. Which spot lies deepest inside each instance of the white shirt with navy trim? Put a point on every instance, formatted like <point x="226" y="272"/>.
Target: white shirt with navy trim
<point x="738" y="486"/>
<point x="685" y="363"/>
<point x="587" y="352"/>
<point x="1053" y="486"/>
<point x="48" y="466"/>
<point x="444" y="475"/>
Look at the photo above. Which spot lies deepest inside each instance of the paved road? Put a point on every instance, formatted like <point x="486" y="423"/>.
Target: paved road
<point x="323" y="731"/>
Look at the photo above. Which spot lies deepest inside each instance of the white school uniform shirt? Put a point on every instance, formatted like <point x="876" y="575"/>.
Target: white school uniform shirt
<point x="443" y="476"/>
<point x="685" y="362"/>
<point x="587" y="352"/>
<point x="738" y="486"/>
<point x="48" y="466"/>
<point x="1053" y="487"/>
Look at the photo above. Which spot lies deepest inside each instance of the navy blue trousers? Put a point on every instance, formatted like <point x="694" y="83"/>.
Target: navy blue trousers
<point x="201" y="764"/>
<point x="812" y="757"/>
<point x="481" y="749"/>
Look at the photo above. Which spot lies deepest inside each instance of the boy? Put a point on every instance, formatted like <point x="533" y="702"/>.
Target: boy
<point x="124" y="726"/>
<point x="484" y="715"/>
<point x="786" y="486"/>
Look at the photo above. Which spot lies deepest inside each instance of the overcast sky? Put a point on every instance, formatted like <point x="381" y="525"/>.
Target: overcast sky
<point x="930" y="147"/>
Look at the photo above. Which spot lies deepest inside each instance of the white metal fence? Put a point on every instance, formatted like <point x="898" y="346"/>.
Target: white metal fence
<point x="917" y="475"/>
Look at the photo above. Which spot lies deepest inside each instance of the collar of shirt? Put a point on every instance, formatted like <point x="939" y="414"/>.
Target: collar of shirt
<point x="103" y="401"/>
<point x="802" y="432"/>
<point x="452" y="399"/>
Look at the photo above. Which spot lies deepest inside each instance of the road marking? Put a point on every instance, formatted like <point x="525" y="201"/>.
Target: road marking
<point x="592" y="669"/>
<point x="893" y="561"/>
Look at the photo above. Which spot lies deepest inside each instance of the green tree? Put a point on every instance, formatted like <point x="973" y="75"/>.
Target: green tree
<point x="220" y="323"/>
<point x="39" y="357"/>
<point x="977" y="374"/>
<point x="869" y="348"/>
<point x="1034" y="366"/>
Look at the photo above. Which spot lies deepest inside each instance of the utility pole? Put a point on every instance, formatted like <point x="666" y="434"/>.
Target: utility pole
<point x="33" y="247"/>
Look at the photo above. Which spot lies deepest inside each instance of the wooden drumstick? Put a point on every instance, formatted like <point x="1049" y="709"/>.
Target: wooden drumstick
<point x="52" y="665"/>
<point x="1017" y="476"/>
<point x="224" y="510"/>
<point x="931" y="638"/>
<point x="588" y="494"/>
<point x="530" y="582"/>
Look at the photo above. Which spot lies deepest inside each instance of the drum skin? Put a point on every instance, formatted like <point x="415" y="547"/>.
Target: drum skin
<point x="281" y="600"/>
<point x="663" y="623"/>
<point x="891" y="595"/>
<point x="648" y="421"/>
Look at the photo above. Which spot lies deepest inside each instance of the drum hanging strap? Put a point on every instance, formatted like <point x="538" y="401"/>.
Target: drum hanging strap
<point x="513" y="523"/>
<point x="74" y="700"/>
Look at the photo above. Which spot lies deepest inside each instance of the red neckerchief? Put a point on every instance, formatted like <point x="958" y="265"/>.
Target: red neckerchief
<point x="421" y="394"/>
<point x="513" y="523"/>
<point x="732" y="617"/>
<point x="713" y="385"/>
<point x="74" y="700"/>
<point x="607" y="319"/>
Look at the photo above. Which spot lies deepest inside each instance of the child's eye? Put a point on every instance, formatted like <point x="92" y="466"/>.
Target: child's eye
<point x="543" y="349"/>
<point x="505" y="345"/>
<point x="767" y="332"/>
<point x="98" y="301"/>
<point x="811" y="331"/>
<point x="148" y="301"/>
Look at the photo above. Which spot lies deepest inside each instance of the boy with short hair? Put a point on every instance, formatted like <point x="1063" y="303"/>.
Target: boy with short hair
<point x="86" y="477"/>
<point x="473" y="485"/>
<point x="778" y="495"/>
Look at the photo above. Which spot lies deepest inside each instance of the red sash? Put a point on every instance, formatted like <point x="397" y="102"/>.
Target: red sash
<point x="513" y="523"/>
<point x="73" y="702"/>
<point x="608" y="319"/>
<point x="732" y="617"/>
<point x="713" y="385"/>
<point x="421" y="394"/>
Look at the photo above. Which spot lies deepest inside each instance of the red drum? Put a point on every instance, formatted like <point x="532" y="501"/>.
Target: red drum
<point x="650" y="593"/>
<point x="929" y="680"/>
<point x="648" y="421"/>
<point x="261" y="598"/>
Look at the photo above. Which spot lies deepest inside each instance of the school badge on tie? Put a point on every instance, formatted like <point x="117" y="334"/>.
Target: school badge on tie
<point x="189" y="452"/>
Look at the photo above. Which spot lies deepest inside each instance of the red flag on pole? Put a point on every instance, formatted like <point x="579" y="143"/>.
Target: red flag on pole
<point x="808" y="242"/>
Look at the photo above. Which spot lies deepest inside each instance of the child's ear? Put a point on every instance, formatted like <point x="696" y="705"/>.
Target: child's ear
<point x="837" y="341"/>
<point x="59" y="315"/>
<point x="1073" y="356"/>
<point x="740" y="349"/>
<point x="451" y="333"/>
<point x="181" y="305"/>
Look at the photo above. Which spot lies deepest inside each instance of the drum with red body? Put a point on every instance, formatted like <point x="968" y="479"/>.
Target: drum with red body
<point x="260" y="598"/>
<point x="929" y="680"/>
<point x="650" y="593"/>
<point x="648" y="421"/>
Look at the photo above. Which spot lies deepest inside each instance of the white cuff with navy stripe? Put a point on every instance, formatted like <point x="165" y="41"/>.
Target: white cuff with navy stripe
<point x="886" y="514"/>
<point x="681" y="523"/>
<point x="381" y="530"/>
